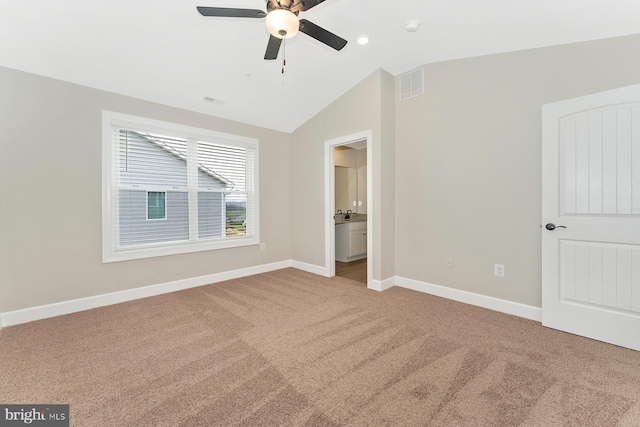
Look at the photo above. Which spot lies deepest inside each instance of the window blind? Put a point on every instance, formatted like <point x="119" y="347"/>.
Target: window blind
<point x="233" y="166"/>
<point x="170" y="190"/>
<point x="150" y="163"/>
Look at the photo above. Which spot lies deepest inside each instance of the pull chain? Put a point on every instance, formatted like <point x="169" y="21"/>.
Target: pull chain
<point x="284" y="53"/>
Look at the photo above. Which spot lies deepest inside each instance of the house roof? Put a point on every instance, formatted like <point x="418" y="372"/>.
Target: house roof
<point x="166" y="144"/>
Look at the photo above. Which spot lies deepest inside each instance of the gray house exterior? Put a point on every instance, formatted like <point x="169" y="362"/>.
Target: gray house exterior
<point x="149" y="164"/>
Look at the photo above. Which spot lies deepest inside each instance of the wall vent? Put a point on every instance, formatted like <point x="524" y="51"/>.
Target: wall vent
<point x="411" y="84"/>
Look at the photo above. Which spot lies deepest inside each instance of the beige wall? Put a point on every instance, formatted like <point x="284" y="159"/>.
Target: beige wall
<point x="456" y="173"/>
<point x="360" y="109"/>
<point x="50" y="195"/>
<point x="468" y="156"/>
<point x="345" y="157"/>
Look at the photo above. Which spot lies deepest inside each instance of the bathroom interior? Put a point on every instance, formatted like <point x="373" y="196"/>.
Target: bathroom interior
<point x="350" y="162"/>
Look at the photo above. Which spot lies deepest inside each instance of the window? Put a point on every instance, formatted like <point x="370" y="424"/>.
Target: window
<point x="156" y="205"/>
<point x="172" y="189"/>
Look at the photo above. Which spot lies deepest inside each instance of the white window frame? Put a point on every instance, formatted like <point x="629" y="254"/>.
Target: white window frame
<point x="165" y="206"/>
<point x="109" y="251"/>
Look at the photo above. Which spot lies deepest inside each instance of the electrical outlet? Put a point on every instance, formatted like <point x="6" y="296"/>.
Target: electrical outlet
<point x="263" y="246"/>
<point x="498" y="270"/>
<point x="449" y="262"/>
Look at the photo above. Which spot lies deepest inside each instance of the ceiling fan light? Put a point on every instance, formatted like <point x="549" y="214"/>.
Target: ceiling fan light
<point x="282" y="24"/>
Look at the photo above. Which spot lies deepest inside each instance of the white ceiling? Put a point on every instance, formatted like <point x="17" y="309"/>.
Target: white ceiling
<point x="165" y="51"/>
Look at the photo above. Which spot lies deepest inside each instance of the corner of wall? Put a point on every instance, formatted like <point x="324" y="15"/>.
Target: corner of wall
<point x="388" y="169"/>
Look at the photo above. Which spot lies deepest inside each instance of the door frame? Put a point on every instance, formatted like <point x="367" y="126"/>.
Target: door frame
<point x="329" y="201"/>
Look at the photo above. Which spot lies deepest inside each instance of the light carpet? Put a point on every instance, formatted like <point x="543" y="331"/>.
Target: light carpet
<point x="292" y="348"/>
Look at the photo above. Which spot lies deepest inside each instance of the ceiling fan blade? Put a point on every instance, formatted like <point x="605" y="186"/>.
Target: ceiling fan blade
<point x="273" y="47"/>
<point x="322" y="35"/>
<point x="302" y="5"/>
<point x="229" y="12"/>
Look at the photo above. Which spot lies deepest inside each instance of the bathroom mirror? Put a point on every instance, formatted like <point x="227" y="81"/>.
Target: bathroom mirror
<point x="351" y="178"/>
<point x="346" y="190"/>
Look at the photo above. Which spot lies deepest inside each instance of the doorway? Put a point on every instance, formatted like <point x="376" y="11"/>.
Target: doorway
<point x="350" y="169"/>
<point x="354" y="270"/>
<point x="352" y="264"/>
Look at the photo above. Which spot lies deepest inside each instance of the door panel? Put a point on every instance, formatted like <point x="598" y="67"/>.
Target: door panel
<point x="600" y="153"/>
<point x="599" y="273"/>
<point x="591" y="185"/>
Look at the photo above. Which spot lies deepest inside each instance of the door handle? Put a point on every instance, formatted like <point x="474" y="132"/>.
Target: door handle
<point x="552" y="226"/>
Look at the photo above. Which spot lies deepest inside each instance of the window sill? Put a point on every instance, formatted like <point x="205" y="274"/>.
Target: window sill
<point x="174" y="249"/>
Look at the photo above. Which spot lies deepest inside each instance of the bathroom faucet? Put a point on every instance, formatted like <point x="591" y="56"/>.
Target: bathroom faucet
<point x="348" y="215"/>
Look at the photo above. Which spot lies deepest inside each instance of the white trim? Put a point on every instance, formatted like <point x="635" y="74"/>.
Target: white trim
<point x="109" y="252"/>
<point x="504" y="306"/>
<point x="329" y="202"/>
<point x="383" y="285"/>
<point x="31" y="314"/>
<point x="310" y="268"/>
<point x="329" y="211"/>
<point x="144" y="124"/>
<point x="175" y="248"/>
<point x="66" y="307"/>
<point x="388" y="283"/>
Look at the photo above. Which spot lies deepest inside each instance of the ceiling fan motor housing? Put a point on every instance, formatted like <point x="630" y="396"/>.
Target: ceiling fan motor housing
<point x="281" y="4"/>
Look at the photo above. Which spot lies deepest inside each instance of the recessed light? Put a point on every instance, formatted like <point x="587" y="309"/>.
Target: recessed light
<point x="412" y="26"/>
<point x="363" y="40"/>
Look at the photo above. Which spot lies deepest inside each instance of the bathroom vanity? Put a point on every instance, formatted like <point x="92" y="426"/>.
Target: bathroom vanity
<point x="351" y="240"/>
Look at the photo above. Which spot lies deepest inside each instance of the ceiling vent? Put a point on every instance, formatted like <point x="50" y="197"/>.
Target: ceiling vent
<point x="411" y="84"/>
<point x="214" y="101"/>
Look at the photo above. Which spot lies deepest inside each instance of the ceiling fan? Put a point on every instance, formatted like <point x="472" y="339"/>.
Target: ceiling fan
<point x="282" y="22"/>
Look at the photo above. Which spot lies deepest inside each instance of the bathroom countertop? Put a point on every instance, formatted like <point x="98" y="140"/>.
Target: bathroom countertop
<point x="354" y="218"/>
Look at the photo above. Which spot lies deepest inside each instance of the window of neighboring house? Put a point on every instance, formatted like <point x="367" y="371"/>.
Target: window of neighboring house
<point x="201" y="184"/>
<point x="156" y="205"/>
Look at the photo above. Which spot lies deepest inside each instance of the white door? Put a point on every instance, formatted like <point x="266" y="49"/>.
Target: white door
<point x="591" y="186"/>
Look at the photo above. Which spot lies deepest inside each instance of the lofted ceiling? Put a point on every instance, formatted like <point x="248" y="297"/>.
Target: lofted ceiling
<point x="165" y="51"/>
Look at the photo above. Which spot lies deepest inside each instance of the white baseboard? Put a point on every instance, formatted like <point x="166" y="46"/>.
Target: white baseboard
<point x="383" y="285"/>
<point x="375" y="285"/>
<point x="310" y="268"/>
<point x="496" y="304"/>
<point x="388" y="283"/>
<point x="66" y="307"/>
